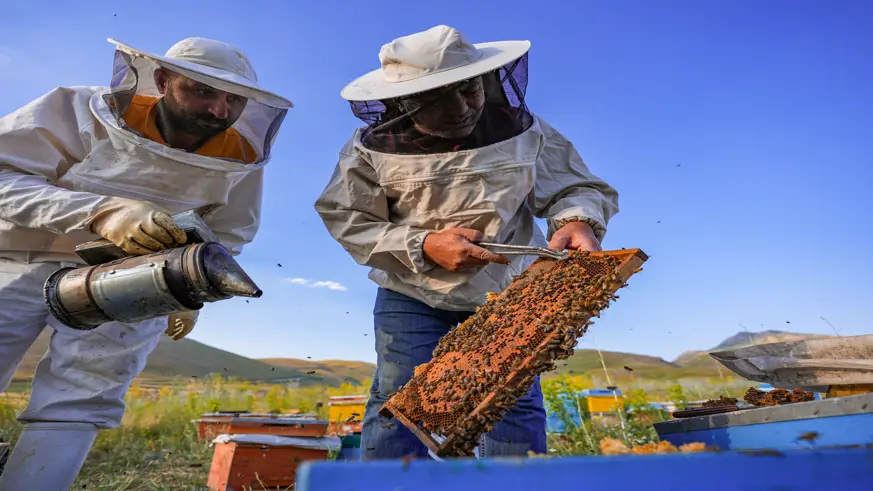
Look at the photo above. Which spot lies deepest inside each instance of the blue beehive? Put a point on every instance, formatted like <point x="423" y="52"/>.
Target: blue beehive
<point x="794" y="470"/>
<point x="832" y="421"/>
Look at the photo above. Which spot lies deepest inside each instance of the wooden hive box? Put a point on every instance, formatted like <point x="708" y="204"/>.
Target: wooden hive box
<point x="210" y="427"/>
<point x="346" y="414"/>
<point x="243" y="462"/>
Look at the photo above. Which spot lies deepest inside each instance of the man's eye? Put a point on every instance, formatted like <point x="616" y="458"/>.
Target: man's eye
<point x="204" y="91"/>
<point x="470" y="88"/>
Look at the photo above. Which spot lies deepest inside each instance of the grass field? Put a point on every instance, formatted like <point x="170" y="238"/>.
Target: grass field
<point x="156" y="446"/>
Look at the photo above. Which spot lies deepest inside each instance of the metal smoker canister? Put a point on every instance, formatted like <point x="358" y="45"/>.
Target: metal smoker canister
<point x="137" y="288"/>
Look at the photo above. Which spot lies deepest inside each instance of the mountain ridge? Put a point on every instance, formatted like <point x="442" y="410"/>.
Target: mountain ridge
<point x="175" y="360"/>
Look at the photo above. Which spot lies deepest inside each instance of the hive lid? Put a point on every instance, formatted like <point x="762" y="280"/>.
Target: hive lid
<point x="281" y="421"/>
<point x="838" y="406"/>
<point x="808" y="363"/>
<point x="316" y="443"/>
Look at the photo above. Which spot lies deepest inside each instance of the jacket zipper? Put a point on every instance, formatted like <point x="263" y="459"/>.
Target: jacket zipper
<point x="458" y="174"/>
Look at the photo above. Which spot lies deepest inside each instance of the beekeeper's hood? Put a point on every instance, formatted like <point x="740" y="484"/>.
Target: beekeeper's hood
<point x="436" y="92"/>
<point x="220" y="66"/>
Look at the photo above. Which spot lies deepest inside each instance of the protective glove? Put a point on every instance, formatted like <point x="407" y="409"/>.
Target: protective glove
<point x="181" y="323"/>
<point x="137" y="227"/>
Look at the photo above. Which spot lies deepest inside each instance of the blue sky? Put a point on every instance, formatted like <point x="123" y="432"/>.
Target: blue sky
<point x="738" y="134"/>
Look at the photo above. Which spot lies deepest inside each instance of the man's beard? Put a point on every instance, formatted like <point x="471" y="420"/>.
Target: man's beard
<point x="204" y="125"/>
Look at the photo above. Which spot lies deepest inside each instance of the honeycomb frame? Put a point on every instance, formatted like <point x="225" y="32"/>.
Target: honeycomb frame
<point x="553" y="333"/>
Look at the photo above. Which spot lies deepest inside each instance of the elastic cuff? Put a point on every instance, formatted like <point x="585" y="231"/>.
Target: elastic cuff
<point x="596" y="226"/>
<point x="416" y="253"/>
<point x="96" y="211"/>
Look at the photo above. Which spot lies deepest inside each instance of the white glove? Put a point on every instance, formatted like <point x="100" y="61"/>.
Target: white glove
<point x="137" y="227"/>
<point x="181" y="323"/>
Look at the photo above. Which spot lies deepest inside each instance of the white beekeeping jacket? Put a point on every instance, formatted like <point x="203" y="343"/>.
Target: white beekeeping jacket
<point x="380" y="206"/>
<point x="70" y="150"/>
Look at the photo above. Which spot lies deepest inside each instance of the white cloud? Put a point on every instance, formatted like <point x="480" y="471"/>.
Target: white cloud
<point x="7" y="57"/>
<point x="330" y="285"/>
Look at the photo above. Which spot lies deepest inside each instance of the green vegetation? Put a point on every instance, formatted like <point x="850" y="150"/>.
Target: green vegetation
<point x="156" y="446"/>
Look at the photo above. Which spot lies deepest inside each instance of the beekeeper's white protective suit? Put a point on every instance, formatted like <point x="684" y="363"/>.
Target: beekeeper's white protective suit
<point x="450" y="144"/>
<point x="79" y="152"/>
<point x="381" y="203"/>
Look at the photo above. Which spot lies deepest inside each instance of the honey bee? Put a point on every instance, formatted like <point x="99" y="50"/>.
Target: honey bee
<point x="810" y="436"/>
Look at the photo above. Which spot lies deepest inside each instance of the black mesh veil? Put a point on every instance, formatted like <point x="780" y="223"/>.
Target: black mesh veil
<point x="472" y="113"/>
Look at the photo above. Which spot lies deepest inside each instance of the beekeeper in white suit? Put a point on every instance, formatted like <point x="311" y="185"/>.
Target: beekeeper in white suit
<point x="451" y="155"/>
<point x="190" y="130"/>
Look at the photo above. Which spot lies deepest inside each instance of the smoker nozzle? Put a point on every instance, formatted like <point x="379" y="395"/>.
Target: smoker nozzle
<point x="227" y="276"/>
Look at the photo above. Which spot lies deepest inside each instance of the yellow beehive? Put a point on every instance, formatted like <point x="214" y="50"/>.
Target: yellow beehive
<point x="341" y="408"/>
<point x="603" y="400"/>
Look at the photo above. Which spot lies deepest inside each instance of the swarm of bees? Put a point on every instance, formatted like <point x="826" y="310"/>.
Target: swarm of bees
<point x="721" y="401"/>
<point x="482" y="367"/>
<point x="611" y="446"/>
<point x="776" y="397"/>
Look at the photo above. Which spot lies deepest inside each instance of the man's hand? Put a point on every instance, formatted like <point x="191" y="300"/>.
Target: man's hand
<point x="575" y="236"/>
<point x="181" y="323"/>
<point x="454" y="250"/>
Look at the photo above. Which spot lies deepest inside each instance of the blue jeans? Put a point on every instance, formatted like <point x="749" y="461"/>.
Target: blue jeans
<point x="407" y="331"/>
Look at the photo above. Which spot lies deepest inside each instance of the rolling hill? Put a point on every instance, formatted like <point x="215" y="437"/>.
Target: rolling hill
<point x="335" y="372"/>
<point x="691" y="364"/>
<point x="588" y="360"/>
<point x="188" y="358"/>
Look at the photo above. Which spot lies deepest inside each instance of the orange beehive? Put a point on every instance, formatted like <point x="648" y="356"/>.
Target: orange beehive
<point x="480" y="368"/>
<point x="244" y="462"/>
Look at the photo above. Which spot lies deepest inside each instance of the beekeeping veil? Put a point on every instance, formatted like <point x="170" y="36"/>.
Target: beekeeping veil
<point x="435" y="92"/>
<point x="218" y="65"/>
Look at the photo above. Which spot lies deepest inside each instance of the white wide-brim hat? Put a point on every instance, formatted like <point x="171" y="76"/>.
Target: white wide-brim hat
<point x="428" y="60"/>
<point x="214" y="63"/>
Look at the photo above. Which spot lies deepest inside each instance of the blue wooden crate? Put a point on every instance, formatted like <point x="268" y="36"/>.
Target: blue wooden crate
<point x="823" y="469"/>
<point x="834" y="421"/>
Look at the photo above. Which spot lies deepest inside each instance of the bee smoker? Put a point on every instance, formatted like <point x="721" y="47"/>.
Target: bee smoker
<point x="118" y="287"/>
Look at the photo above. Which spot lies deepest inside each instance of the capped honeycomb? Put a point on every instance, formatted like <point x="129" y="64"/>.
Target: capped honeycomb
<point x="481" y="368"/>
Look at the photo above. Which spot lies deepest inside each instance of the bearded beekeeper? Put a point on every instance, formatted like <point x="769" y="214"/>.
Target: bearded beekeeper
<point x="190" y="130"/>
<point x="450" y="156"/>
